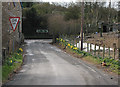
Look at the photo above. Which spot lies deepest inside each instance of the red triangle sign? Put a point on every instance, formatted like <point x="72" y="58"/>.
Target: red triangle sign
<point x="14" y="22"/>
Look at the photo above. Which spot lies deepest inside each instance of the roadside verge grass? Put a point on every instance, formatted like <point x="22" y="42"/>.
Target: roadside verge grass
<point x="11" y="65"/>
<point x="111" y="65"/>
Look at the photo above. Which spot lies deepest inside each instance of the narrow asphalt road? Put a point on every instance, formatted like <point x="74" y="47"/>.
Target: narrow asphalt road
<point x="48" y="65"/>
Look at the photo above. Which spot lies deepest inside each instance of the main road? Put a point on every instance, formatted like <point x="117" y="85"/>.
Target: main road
<point x="46" y="64"/>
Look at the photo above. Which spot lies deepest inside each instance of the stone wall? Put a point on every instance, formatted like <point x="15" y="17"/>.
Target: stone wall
<point x="0" y="42"/>
<point x="0" y="31"/>
<point x="11" y="40"/>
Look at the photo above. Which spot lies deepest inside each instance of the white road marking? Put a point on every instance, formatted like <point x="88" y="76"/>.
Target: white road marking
<point x="88" y="67"/>
<point x="91" y="69"/>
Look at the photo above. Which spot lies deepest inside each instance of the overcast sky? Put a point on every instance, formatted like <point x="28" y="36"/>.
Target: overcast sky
<point x="58" y="0"/>
<point x="114" y="4"/>
<point x="77" y="0"/>
<point x="113" y="1"/>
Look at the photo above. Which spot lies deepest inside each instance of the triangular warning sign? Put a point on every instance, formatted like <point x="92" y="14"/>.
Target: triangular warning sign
<point x="14" y="22"/>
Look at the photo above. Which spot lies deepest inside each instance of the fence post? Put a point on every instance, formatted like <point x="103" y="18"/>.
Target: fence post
<point x="103" y="51"/>
<point x="87" y="47"/>
<point x="99" y="50"/>
<point x="114" y="45"/>
<point x="76" y="43"/>
<point x="3" y="54"/>
<point x="90" y="47"/>
<point x="13" y="45"/>
<point x="95" y="50"/>
<point x="73" y="42"/>
<point x="114" y="52"/>
<point x="79" y="43"/>
<point x="109" y="51"/>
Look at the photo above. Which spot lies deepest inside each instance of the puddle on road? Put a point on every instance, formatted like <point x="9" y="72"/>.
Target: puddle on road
<point x="29" y="52"/>
<point x="39" y="41"/>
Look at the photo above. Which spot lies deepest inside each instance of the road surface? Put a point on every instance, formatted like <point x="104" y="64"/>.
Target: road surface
<point x="48" y="65"/>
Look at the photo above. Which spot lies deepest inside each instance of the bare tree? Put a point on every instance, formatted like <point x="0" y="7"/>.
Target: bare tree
<point x="56" y="25"/>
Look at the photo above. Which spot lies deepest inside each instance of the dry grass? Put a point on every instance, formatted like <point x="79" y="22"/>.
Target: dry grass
<point x="108" y="39"/>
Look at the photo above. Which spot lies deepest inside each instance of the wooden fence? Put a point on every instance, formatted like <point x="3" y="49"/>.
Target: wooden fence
<point x="99" y="50"/>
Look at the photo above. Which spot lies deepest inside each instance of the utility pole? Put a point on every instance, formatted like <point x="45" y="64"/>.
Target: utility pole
<point x="82" y="20"/>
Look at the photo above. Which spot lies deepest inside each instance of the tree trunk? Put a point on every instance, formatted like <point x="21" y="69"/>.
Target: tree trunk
<point x="101" y="32"/>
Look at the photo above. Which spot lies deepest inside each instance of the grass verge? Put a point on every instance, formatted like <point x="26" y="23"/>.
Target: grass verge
<point x="111" y="65"/>
<point x="11" y="65"/>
